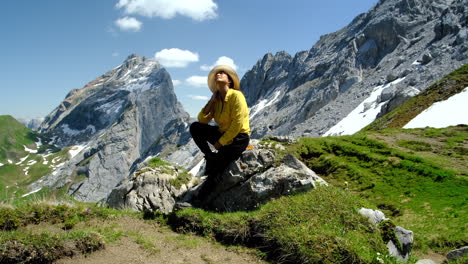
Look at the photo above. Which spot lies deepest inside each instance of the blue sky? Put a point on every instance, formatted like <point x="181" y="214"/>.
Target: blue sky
<point x="49" y="47"/>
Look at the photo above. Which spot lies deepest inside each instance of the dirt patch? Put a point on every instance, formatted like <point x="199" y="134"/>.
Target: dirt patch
<point x="437" y="258"/>
<point x="147" y="242"/>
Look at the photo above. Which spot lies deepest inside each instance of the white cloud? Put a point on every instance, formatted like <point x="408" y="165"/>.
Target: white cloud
<point x="196" y="9"/>
<point x="176" y="82"/>
<point x="198" y="97"/>
<point x="221" y="60"/>
<point x="197" y="81"/>
<point x="128" y="24"/>
<point x="176" y="58"/>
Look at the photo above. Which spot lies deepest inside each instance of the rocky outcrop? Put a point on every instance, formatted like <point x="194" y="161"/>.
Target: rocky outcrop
<point x="253" y="179"/>
<point x="118" y="120"/>
<point x="150" y="189"/>
<point x="414" y="41"/>
<point x="399" y="240"/>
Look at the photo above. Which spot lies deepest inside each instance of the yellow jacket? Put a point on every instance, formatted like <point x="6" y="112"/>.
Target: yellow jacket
<point x="232" y="116"/>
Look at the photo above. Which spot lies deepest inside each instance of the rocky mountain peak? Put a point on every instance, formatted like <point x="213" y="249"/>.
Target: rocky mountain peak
<point x="117" y="120"/>
<point x="407" y="44"/>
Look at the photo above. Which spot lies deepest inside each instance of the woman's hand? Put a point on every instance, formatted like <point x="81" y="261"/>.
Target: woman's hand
<point x="209" y="107"/>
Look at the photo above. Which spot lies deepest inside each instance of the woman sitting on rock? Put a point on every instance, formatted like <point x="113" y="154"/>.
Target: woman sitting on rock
<point x="229" y="110"/>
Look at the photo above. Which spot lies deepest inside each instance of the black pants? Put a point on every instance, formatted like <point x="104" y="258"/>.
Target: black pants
<point x="216" y="163"/>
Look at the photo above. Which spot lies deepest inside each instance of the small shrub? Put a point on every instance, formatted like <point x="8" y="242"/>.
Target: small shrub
<point x="157" y="162"/>
<point x="9" y="219"/>
<point x="90" y="243"/>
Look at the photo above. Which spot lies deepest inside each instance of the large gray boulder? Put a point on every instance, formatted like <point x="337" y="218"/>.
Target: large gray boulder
<point x="150" y="189"/>
<point x="255" y="178"/>
<point x="457" y="253"/>
<point x="290" y="177"/>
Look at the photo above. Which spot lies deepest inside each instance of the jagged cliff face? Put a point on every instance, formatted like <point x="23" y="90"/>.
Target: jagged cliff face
<point x="411" y="42"/>
<point x="116" y="120"/>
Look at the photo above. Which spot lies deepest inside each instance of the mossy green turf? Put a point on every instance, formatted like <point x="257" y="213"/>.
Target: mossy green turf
<point x="419" y="194"/>
<point x="19" y="245"/>
<point x="183" y="177"/>
<point x="322" y="226"/>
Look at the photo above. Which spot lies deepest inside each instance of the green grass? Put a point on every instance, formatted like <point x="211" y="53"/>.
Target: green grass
<point x="182" y="175"/>
<point x="157" y="162"/>
<point x="15" y="178"/>
<point x="320" y="226"/>
<point x="13" y="136"/>
<point x="417" y="193"/>
<point x="21" y="245"/>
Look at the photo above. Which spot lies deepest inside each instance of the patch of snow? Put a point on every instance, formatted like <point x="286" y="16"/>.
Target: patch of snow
<point x="112" y="106"/>
<point x="29" y="193"/>
<point x="29" y="150"/>
<point x="39" y="144"/>
<point x="72" y="132"/>
<point x="450" y="112"/>
<point x="26" y="171"/>
<point x="362" y="115"/>
<point x="1" y="164"/>
<point x="416" y="62"/>
<point x="75" y="150"/>
<point x="141" y="86"/>
<point x="194" y="171"/>
<point x="47" y="155"/>
<point x="99" y="83"/>
<point x="21" y="160"/>
<point x="58" y="165"/>
<point x="262" y="104"/>
<point x="56" y="159"/>
<point x="9" y="161"/>
<point x="45" y="162"/>
<point x="31" y="162"/>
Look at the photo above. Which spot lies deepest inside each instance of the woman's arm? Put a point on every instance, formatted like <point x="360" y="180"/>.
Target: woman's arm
<point x="207" y="112"/>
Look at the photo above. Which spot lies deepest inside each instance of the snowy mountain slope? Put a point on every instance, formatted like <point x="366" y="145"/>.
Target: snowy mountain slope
<point x="450" y="112"/>
<point x="445" y="99"/>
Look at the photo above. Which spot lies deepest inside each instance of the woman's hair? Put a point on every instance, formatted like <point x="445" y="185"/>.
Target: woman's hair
<point x="231" y="84"/>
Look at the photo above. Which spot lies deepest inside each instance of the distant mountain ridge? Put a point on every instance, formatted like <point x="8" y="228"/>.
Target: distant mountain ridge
<point x="417" y="41"/>
<point x="31" y="123"/>
<point x="116" y="120"/>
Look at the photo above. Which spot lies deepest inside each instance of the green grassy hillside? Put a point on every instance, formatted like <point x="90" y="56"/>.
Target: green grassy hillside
<point x="417" y="177"/>
<point x="13" y="137"/>
<point x="451" y="84"/>
<point x="21" y="167"/>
